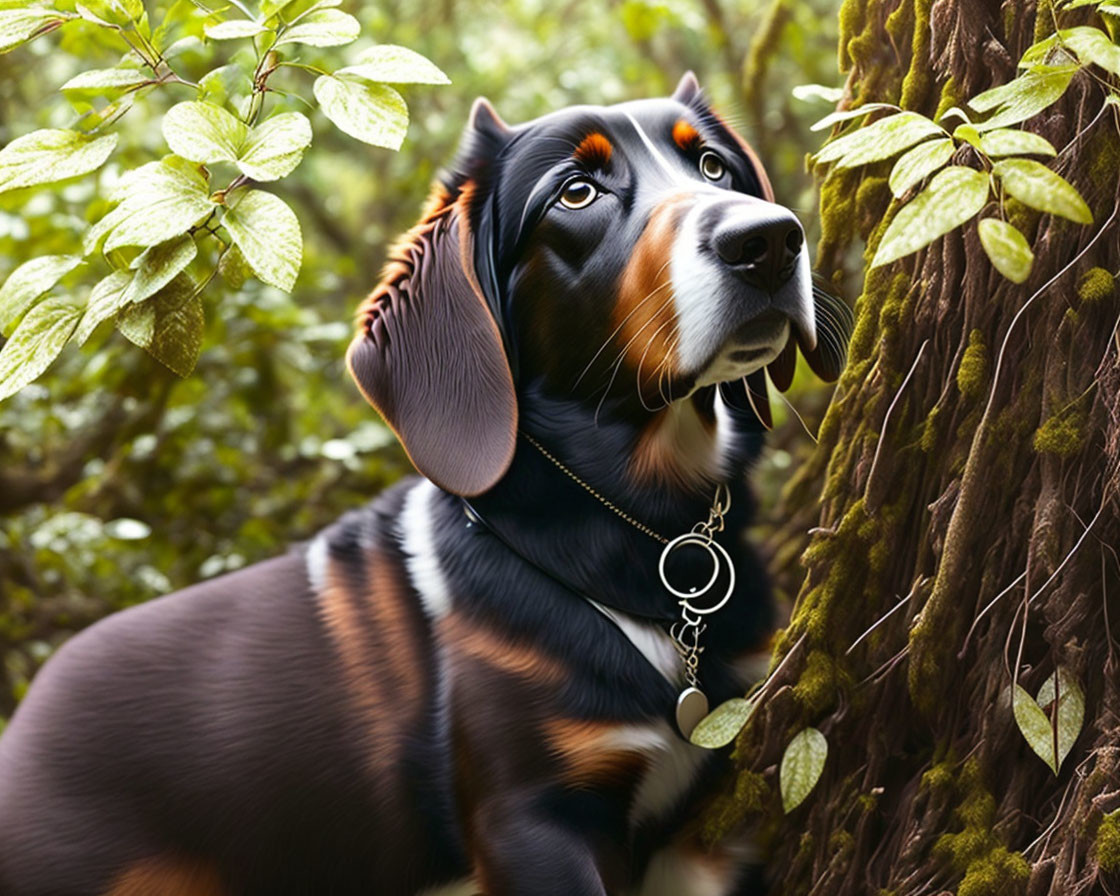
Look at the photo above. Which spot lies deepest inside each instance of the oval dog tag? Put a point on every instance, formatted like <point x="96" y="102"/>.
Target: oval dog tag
<point x="692" y="706"/>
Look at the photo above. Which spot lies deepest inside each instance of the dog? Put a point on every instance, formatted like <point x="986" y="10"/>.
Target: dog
<point x="483" y="682"/>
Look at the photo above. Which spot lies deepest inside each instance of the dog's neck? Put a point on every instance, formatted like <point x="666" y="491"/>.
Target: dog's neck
<point x="657" y="464"/>
<point x="559" y="525"/>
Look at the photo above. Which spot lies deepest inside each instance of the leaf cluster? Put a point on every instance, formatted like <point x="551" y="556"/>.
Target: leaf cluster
<point x="981" y="153"/>
<point x="176" y="222"/>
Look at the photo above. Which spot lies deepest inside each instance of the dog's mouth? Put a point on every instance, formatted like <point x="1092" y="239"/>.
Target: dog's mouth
<point x="754" y="338"/>
<point x="750" y="346"/>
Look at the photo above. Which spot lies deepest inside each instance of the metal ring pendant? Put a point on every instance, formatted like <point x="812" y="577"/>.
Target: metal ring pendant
<point x="719" y="557"/>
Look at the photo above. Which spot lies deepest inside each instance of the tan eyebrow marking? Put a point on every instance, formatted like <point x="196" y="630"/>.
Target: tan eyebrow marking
<point x="594" y="151"/>
<point x="685" y="135"/>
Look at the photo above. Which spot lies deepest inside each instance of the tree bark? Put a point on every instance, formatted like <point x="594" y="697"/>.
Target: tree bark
<point x="963" y="509"/>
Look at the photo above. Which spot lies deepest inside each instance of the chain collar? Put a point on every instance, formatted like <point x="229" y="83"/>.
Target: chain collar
<point x="695" y="603"/>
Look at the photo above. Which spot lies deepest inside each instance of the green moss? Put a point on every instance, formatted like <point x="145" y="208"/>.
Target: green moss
<point x="841" y="844"/>
<point x="872" y="196"/>
<point x="987" y="866"/>
<point x="851" y="23"/>
<point x="929" y="431"/>
<point x="817" y="685"/>
<point x="1043" y="20"/>
<point x="972" y="375"/>
<point x="1103" y="157"/>
<point x="1107" y="846"/>
<point x="999" y="873"/>
<point x="1095" y="285"/>
<point x="1063" y="433"/>
<point x="938" y="778"/>
<point x="950" y="96"/>
<point x="878" y="556"/>
<point x="918" y="82"/>
<point x="749" y="796"/>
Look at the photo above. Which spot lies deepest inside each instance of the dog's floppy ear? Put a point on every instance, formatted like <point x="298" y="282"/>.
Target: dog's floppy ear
<point x="428" y="354"/>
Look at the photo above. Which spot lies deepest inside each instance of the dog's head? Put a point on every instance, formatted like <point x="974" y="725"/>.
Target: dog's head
<point x="632" y="252"/>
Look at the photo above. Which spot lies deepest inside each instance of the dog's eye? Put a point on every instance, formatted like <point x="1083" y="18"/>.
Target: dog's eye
<point x="578" y="193"/>
<point x="711" y="166"/>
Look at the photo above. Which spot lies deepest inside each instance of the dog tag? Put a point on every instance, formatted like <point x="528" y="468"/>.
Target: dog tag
<point x="692" y="706"/>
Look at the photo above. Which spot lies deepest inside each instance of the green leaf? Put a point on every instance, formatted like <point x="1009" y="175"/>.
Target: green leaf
<point x="233" y="267"/>
<point x="848" y="114"/>
<point x="808" y="93"/>
<point x="274" y="148"/>
<point x="879" y="140"/>
<point x="238" y="28"/>
<point x="36" y="342"/>
<point x="28" y="282"/>
<point x="227" y="84"/>
<point x="395" y="65"/>
<point x="1092" y="46"/>
<point x="267" y="233"/>
<point x="372" y="113"/>
<point x="158" y="265"/>
<point x="322" y="28"/>
<point x="43" y="157"/>
<point x="203" y="132"/>
<point x="158" y="201"/>
<point x="1034" y="726"/>
<point x="19" y="25"/>
<point x="90" y="16"/>
<point x="802" y="764"/>
<point x="1005" y="142"/>
<point x="916" y="164"/>
<point x="169" y="325"/>
<point x="721" y="726"/>
<point x="105" y="299"/>
<point x="954" y="112"/>
<point x="1007" y="248"/>
<point x="952" y="197"/>
<point x="967" y="133"/>
<point x="102" y="80"/>
<point x="1033" y="184"/>
<point x="1071" y="709"/>
<point x="1024" y="97"/>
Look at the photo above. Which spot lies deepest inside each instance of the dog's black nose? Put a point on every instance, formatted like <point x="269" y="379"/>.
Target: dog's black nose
<point x="764" y="253"/>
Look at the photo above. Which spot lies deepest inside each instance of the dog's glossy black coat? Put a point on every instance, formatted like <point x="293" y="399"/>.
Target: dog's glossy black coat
<point x="307" y="726"/>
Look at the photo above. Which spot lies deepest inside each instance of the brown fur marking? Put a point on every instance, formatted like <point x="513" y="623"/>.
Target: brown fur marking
<point x="383" y="675"/>
<point x="486" y="646"/>
<point x="677" y="448"/>
<point x="594" y="151"/>
<point x="168" y="877"/>
<point x="594" y="752"/>
<point x="686" y="136"/>
<point x="644" y="315"/>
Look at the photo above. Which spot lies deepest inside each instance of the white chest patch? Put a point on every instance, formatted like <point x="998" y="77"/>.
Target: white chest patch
<point x="421" y="558"/>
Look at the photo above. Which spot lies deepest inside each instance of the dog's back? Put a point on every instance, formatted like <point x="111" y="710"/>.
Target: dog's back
<point x="140" y="764"/>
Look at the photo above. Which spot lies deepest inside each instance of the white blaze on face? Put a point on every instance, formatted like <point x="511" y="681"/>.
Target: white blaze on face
<point x="706" y="291"/>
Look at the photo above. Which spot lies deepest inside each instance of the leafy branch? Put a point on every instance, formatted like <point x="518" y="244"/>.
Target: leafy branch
<point x="172" y="226"/>
<point x="956" y="193"/>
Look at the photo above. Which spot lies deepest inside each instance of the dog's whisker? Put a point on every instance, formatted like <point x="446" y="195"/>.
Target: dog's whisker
<point x="621" y="324"/>
<point x="642" y="360"/>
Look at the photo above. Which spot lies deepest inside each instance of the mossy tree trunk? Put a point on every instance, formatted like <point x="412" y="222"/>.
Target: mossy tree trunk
<point x="962" y="505"/>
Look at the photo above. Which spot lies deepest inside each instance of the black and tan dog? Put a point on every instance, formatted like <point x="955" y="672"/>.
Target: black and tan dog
<point x="468" y="686"/>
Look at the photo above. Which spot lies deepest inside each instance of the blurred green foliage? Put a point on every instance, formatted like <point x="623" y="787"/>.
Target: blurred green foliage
<point x="119" y="481"/>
